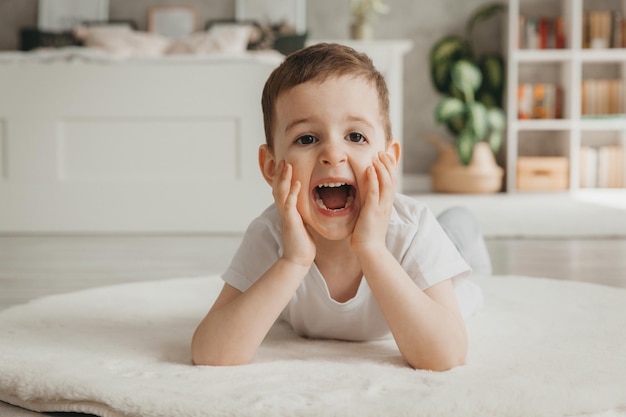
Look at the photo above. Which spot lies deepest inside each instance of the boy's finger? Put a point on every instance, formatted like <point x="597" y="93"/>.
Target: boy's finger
<point x="292" y="197"/>
<point x="277" y="173"/>
<point x="383" y="174"/>
<point x="390" y="167"/>
<point x="282" y="182"/>
<point x="388" y="162"/>
<point x="373" y="185"/>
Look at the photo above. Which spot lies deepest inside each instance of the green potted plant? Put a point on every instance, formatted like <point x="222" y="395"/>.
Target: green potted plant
<point x="472" y="86"/>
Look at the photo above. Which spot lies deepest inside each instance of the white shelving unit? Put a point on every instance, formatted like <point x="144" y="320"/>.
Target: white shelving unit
<point x="567" y="68"/>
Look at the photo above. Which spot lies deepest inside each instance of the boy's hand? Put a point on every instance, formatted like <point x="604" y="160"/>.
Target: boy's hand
<point x="298" y="244"/>
<point x="370" y="230"/>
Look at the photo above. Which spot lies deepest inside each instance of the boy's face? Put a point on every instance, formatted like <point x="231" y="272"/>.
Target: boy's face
<point x="330" y="133"/>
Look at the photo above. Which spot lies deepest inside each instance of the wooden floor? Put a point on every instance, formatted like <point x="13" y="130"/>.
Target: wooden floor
<point x="33" y="266"/>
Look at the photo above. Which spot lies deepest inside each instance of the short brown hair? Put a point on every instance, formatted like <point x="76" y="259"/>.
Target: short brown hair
<point x="318" y="63"/>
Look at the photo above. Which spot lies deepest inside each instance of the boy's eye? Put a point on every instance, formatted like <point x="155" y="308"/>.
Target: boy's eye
<point x="355" y="137"/>
<point x="306" y="140"/>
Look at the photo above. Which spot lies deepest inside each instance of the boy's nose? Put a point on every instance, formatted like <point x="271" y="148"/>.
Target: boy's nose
<point x="333" y="155"/>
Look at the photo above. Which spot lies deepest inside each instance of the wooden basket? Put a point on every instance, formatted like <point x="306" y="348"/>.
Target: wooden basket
<point x="481" y="176"/>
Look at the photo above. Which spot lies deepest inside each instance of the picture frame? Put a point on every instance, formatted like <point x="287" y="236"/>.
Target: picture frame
<point x="172" y="21"/>
<point x="292" y="12"/>
<point x="64" y="15"/>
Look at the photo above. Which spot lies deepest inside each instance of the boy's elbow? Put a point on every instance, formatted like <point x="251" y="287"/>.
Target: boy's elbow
<point x="443" y="357"/>
<point x="204" y="353"/>
<point x="217" y="362"/>
<point x="440" y="363"/>
<point x="206" y="359"/>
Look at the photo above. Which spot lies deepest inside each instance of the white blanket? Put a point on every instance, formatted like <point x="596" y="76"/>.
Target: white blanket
<point x="539" y="347"/>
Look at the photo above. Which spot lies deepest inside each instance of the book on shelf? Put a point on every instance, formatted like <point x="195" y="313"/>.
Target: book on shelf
<point x="539" y="101"/>
<point x="541" y="33"/>
<point x="602" y="166"/>
<point x="602" y="97"/>
<point x="617" y="30"/>
<point x="603" y="29"/>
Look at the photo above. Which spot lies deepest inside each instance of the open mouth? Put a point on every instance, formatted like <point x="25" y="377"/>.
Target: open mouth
<point x="334" y="196"/>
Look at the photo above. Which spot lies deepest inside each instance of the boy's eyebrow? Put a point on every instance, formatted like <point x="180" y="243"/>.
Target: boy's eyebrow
<point x="308" y="120"/>
<point x="360" y="120"/>
<point x="295" y="123"/>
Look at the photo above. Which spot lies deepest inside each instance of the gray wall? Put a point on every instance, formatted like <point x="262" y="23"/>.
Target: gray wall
<point x="421" y="21"/>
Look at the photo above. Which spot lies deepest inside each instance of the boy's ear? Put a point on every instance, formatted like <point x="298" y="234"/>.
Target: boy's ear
<point x="267" y="163"/>
<point x="393" y="150"/>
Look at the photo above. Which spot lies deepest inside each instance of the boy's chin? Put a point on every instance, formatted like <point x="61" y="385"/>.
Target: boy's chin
<point x="334" y="233"/>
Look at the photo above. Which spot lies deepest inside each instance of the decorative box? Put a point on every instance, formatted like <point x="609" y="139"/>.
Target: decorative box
<point x="542" y="173"/>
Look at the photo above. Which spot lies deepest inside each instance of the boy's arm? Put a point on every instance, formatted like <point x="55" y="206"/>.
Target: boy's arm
<point x="427" y="325"/>
<point x="235" y="326"/>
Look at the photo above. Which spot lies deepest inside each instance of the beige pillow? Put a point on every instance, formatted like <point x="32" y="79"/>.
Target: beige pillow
<point x="122" y="41"/>
<point x="220" y="38"/>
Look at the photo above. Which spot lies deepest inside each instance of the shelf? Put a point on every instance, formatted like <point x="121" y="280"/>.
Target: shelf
<point x="542" y="55"/>
<point x="601" y="55"/>
<point x="603" y="123"/>
<point x="586" y="123"/>
<point x="563" y="55"/>
<point x="542" y="124"/>
<point x="568" y="68"/>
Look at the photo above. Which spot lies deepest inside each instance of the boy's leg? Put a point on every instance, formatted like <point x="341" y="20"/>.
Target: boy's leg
<point x="462" y="228"/>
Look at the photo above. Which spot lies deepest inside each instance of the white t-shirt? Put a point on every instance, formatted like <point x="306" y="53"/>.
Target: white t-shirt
<point x="415" y="239"/>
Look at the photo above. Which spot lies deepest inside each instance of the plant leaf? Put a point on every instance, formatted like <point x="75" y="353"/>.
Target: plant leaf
<point x="495" y="141"/>
<point x="482" y="13"/>
<point x="487" y="98"/>
<point x="467" y="77"/>
<point x="497" y="122"/>
<point x="492" y="68"/>
<point x="443" y="55"/>
<point x="448" y="108"/>
<point x="440" y="75"/>
<point x="465" y="146"/>
<point x="477" y="117"/>
<point x="448" y="48"/>
<point x="457" y="124"/>
<point x="496" y="119"/>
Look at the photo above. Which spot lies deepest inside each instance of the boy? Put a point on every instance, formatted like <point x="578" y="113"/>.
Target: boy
<point x="339" y="254"/>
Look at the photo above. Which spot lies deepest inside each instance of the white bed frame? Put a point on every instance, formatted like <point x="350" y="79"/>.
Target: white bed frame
<point x="133" y="146"/>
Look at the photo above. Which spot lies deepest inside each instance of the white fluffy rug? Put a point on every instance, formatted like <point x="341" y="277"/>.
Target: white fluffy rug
<point x="539" y="347"/>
